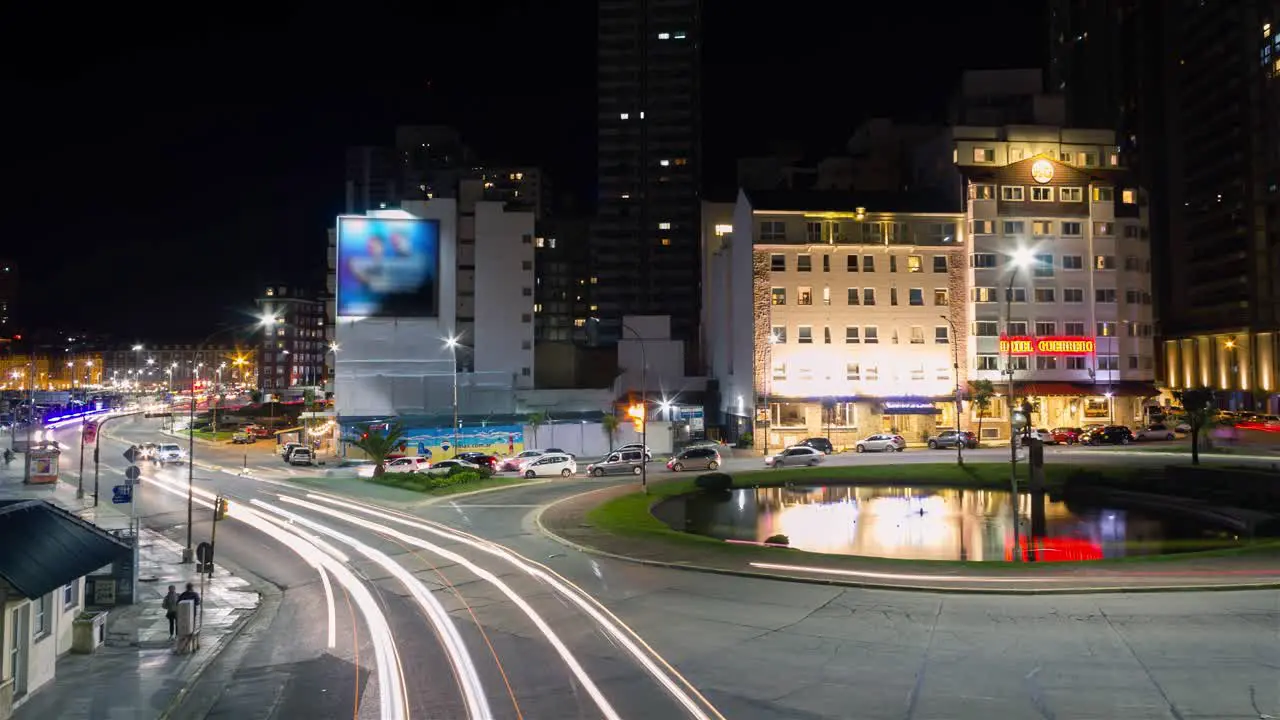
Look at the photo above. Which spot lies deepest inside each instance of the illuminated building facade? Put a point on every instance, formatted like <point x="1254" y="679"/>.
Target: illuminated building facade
<point x="831" y="314"/>
<point x="1076" y="329"/>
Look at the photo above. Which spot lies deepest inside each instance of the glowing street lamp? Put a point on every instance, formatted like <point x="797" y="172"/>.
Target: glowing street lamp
<point x="1021" y="258"/>
<point x="452" y="342"/>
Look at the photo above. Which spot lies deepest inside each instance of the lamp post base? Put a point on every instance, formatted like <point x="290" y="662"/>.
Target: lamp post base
<point x="186" y="556"/>
<point x="79" y="493"/>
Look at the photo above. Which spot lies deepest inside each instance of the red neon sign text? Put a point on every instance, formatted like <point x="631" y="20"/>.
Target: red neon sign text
<point x="1065" y="345"/>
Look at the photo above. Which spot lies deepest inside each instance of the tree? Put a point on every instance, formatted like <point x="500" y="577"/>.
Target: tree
<point x="378" y="444"/>
<point x="980" y="394"/>
<point x="1198" y="409"/>
<point x="535" y="421"/>
<point x="609" y="423"/>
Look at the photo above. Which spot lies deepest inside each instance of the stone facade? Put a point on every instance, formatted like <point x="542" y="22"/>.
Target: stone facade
<point x="762" y="309"/>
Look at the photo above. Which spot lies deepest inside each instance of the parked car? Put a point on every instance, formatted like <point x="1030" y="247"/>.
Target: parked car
<point x="287" y="449"/>
<point x="882" y="442"/>
<point x="952" y="438"/>
<point x="1040" y="434"/>
<point x="1066" y="435"/>
<point x="551" y="464"/>
<point x="444" y="467"/>
<point x="619" y="462"/>
<point x="516" y="461"/>
<point x="169" y="453"/>
<point x="698" y="458"/>
<point x="648" y="455"/>
<point x="820" y="444"/>
<point x="1108" y="435"/>
<point x="479" y="458"/>
<point x="300" y="456"/>
<point x="242" y="438"/>
<point x="1157" y="431"/>
<point x="408" y="464"/>
<point x="795" y="455"/>
<point x="258" y="431"/>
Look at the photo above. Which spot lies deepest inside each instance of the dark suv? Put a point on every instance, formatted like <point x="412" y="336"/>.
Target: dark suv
<point x="1109" y="435"/>
<point x="820" y="444"/>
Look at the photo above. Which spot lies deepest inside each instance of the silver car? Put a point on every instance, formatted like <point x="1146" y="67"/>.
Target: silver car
<point x="622" y="462"/>
<point x="798" y="455"/>
<point x="883" y="442"/>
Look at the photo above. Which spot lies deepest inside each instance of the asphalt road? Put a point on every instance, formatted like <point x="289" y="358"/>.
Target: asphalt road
<point x="753" y="648"/>
<point x="427" y="622"/>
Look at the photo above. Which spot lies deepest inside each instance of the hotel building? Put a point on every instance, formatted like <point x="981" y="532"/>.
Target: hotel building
<point x="832" y="314"/>
<point x="1073" y="328"/>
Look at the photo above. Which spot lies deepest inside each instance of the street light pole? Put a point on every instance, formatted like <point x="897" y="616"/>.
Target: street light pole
<point x="955" y="371"/>
<point x="1020" y="257"/>
<point x="451" y="342"/>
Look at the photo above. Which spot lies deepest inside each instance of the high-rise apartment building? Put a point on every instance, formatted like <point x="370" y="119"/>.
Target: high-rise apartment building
<point x="645" y="243"/>
<point x="293" y="348"/>
<point x="1191" y="87"/>
<point x="8" y="296"/>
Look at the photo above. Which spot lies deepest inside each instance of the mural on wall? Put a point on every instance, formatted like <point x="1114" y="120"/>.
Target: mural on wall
<point x="502" y="440"/>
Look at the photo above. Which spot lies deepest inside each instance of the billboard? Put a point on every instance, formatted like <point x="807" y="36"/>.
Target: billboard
<point x="388" y="267"/>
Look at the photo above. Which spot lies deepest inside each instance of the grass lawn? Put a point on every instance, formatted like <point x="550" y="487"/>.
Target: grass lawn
<point x="220" y="436"/>
<point x="630" y="515"/>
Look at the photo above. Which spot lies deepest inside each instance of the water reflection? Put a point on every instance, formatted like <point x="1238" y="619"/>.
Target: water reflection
<point x="930" y="523"/>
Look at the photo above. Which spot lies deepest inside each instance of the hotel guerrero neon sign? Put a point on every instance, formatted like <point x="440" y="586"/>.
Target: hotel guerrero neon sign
<point x="1024" y="345"/>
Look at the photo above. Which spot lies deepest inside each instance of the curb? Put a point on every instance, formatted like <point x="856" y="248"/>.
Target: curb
<point x="267" y="592"/>
<point x="870" y="585"/>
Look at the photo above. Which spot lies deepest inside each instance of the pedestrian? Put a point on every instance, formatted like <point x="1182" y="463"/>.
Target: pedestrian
<point x="190" y="594"/>
<point x="170" y="605"/>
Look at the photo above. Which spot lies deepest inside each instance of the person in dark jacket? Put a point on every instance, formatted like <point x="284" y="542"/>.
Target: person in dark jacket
<point x="170" y="605"/>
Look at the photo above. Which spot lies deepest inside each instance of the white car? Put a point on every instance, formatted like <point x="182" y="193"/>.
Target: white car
<point x="1041" y="434"/>
<point x="301" y="456"/>
<point x="1158" y="431"/>
<point x="444" y="467"/>
<point x="551" y="464"/>
<point x="169" y="453"/>
<point x="516" y="462"/>
<point x="881" y="442"/>
<point x="798" y="455"/>
<point x="408" y="464"/>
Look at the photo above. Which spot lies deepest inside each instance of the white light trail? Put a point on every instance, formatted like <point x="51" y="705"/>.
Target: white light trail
<point x="324" y="557"/>
<point x="671" y="680"/>
<point x="465" y="672"/>
<point x="561" y="649"/>
<point x="899" y="576"/>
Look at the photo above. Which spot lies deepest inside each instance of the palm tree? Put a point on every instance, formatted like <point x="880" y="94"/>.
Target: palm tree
<point x="609" y="423"/>
<point x="1198" y="409"/>
<point x="535" y="421"/>
<point x="379" y="444"/>
<point x="980" y="394"/>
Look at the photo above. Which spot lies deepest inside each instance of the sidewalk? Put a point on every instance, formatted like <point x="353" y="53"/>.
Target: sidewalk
<point x="136" y="674"/>
<point x="566" y="522"/>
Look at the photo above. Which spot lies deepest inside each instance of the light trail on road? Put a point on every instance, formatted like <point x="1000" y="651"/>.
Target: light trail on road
<point x="465" y="673"/>
<point x="658" y="668"/>
<point x="605" y="707"/>
<point x="392" y="693"/>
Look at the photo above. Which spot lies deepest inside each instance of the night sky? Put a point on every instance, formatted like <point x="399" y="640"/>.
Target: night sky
<point x="162" y="168"/>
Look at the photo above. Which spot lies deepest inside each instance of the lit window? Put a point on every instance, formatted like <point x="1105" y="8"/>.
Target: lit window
<point x="664" y="226"/>
<point x="519" y="176"/>
<point x="666" y="242"/>
<point x="594" y="308"/>
<point x="1129" y="196"/>
<point x="984" y="155"/>
<point x="678" y="35"/>
<point x="664" y="36"/>
<point x="682" y="161"/>
<point x="541" y="242"/>
<point x="626" y="116"/>
<point x="579" y="322"/>
<point x="1103" y="194"/>
<point x="723" y="230"/>
<point x="915" y="263"/>
<point x="664" y="163"/>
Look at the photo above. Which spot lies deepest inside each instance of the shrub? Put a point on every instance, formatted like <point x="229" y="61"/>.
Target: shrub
<point x="778" y="539"/>
<point x="422" y="482"/>
<point x="714" y="482"/>
<point x="745" y="441"/>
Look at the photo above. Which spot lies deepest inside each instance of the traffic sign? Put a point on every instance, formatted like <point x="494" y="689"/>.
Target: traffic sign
<point x="132" y="472"/>
<point x="204" y="556"/>
<point x="121" y="494"/>
<point x="131" y="454"/>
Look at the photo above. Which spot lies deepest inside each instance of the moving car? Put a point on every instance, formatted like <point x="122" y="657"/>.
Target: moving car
<point x="147" y="451"/>
<point x="648" y="455"/>
<point x="479" y="458"/>
<point x="795" y="455"/>
<point x="882" y="442"/>
<point x="619" y="462"/>
<point x="1108" y="435"/>
<point x="169" y="453"/>
<point x="1157" y="431"/>
<point x="287" y="449"/>
<point x="698" y="458"/>
<point x="408" y="464"/>
<point x="242" y="438"/>
<point x="444" y="467"/>
<point x="820" y="444"/>
<point x="551" y="464"/>
<point x="952" y="438"/>
<point x="562" y="452"/>
<point x="1066" y="435"/>
<point x="516" y="461"/>
<point x="300" y="456"/>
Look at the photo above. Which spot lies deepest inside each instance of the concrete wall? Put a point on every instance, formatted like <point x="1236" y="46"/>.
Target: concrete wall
<point x="43" y="651"/>
<point x="588" y="440"/>
<point x="504" y="279"/>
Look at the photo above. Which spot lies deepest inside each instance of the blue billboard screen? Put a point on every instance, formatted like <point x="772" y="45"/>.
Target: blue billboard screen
<point x="388" y="267"/>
